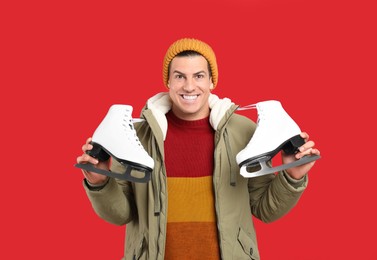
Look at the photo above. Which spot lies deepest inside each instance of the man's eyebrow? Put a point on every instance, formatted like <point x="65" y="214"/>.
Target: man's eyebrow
<point x="177" y="71"/>
<point x="199" y="72"/>
<point x="196" y="73"/>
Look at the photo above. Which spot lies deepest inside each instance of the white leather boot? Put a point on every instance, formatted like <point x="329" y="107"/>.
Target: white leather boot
<point x="116" y="137"/>
<point x="275" y="131"/>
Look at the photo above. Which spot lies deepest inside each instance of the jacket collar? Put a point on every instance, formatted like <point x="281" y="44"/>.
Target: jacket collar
<point x="160" y="104"/>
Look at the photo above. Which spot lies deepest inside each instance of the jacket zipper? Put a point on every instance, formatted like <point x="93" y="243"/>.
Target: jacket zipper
<point x="215" y="184"/>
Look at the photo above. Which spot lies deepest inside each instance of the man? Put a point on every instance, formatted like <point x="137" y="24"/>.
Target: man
<point x="197" y="205"/>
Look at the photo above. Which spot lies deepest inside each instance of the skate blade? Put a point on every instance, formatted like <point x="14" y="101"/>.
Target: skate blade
<point x="121" y="176"/>
<point x="255" y="170"/>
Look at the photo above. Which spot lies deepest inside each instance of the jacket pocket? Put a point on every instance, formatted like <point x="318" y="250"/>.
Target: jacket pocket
<point x="248" y="245"/>
<point x="139" y="250"/>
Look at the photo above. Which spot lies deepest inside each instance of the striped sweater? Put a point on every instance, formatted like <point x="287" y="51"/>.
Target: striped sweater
<point x="191" y="227"/>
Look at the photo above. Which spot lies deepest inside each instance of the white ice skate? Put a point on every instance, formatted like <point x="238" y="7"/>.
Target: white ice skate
<point x="275" y="131"/>
<point x="116" y="137"/>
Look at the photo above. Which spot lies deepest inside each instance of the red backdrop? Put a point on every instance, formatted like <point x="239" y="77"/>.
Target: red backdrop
<point x="63" y="63"/>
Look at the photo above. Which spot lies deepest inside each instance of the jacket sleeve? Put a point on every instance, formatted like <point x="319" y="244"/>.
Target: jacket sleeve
<point x="114" y="203"/>
<point x="272" y="196"/>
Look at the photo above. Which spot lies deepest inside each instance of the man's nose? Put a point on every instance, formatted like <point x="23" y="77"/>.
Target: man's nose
<point x="189" y="85"/>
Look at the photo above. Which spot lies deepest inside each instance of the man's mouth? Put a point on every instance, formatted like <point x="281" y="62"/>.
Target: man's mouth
<point x="190" y="97"/>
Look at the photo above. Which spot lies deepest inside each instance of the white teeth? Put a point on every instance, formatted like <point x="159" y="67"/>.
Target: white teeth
<point x="190" y="97"/>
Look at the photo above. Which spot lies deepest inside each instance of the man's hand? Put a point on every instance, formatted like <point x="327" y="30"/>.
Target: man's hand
<point x="306" y="149"/>
<point x="92" y="177"/>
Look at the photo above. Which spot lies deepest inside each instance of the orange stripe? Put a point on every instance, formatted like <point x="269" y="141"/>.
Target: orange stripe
<point x="191" y="200"/>
<point x="192" y="241"/>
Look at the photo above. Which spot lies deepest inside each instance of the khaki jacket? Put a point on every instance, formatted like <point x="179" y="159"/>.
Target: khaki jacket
<point x="142" y="206"/>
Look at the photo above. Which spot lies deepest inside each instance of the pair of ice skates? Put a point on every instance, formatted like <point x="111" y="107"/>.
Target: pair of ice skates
<point x="275" y="131"/>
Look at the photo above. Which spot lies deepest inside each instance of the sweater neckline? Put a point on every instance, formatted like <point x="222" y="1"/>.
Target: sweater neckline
<point x="172" y="118"/>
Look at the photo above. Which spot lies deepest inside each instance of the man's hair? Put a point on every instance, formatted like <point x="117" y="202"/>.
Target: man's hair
<point x="191" y="54"/>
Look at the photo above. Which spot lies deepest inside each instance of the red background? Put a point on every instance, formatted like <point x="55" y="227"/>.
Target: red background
<point x="63" y="63"/>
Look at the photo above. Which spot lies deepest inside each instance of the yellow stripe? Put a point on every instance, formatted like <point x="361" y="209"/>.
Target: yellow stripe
<point x="191" y="200"/>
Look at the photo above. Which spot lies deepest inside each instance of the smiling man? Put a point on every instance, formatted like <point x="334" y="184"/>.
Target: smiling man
<point x="197" y="205"/>
<point x="190" y="83"/>
<point x="188" y="75"/>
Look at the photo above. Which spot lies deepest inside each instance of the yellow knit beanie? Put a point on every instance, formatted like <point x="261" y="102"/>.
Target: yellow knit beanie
<point x="190" y="44"/>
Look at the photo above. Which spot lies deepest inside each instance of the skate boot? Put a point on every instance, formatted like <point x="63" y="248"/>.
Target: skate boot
<point x="275" y="131"/>
<point x="116" y="137"/>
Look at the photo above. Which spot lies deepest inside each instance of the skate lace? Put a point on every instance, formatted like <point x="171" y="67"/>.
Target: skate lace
<point x="128" y="124"/>
<point x="254" y="106"/>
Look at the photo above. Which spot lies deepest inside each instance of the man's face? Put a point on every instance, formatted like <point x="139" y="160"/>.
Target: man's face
<point x="189" y="87"/>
